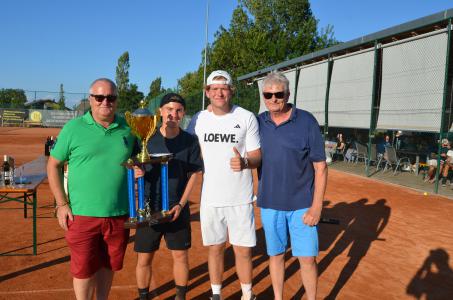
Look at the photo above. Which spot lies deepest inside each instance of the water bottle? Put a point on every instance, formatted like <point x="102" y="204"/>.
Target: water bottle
<point x="6" y="171"/>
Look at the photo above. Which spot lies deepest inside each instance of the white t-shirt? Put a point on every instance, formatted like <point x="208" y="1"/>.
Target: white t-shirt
<point x="217" y="136"/>
<point x="450" y="155"/>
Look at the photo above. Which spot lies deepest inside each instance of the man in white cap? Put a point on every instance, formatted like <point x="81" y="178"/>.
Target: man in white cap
<point x="230" y="146"/>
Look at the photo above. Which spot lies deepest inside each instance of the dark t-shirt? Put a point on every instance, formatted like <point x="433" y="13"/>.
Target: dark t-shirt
<point x="186" y="159"/>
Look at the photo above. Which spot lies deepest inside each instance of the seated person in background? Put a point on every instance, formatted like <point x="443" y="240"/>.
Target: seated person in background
<point x="330" y="149"/>
<point x="387" y="142"/>
<point x="448" y="165"/>
<point x="382" y="145"/>
<point x="340" y="144"/>
<point x="350" y="152"/>
<point x="432" y="163"/>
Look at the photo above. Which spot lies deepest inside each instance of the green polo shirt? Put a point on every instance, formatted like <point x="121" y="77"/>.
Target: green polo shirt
<point x="97" y="182"/>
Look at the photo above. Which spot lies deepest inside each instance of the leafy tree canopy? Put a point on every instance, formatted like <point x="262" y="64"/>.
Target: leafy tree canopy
<point x="122" y="72"/>
<point x="261" y="33"/>
<point x="128" y="100"/>
<point x="12" y="98"/>
<point x="155" y="89"/>
<point x="128" y="94"/>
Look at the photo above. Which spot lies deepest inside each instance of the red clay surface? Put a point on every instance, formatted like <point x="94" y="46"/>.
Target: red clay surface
<point x="393" y="243"/>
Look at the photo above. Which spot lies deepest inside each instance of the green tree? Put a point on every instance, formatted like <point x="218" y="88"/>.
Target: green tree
<point x="155" y="89"/>
<point x="12" y="98"/>
<point x="130" y="99"/>
<point x="128" y="94"/>
<point x="191" y="90"/>
<point x="262" y="33"/>
<point x="122" y="72"/>
<point x="61" y="98"/>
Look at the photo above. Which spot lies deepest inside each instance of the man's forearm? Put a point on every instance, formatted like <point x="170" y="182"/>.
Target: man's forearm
<point x="55" y="178"/>
<point x="185" y="196"/>
<point x="320" y="184"/>
<point x="254" y="159"/>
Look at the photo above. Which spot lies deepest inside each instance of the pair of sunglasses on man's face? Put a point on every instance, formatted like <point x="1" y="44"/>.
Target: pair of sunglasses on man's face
<point x="100" y="98"/>
<point x="278" y="95"/>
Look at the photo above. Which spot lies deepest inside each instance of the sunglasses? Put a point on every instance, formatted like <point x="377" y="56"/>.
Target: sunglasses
<point x="278" y="95"/>
<point x="100" y="98"/>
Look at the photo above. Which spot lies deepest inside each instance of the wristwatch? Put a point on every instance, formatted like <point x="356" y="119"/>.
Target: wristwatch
<point x="246" y="162"/>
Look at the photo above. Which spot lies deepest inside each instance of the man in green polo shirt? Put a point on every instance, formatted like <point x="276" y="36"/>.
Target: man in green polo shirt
<point x="93" y="213"/>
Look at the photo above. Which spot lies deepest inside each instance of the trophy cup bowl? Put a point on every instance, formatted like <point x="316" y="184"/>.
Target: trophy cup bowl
<point x="143" y="125"/>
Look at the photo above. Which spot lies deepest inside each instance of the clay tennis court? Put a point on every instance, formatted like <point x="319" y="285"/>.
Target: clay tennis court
<point x="392" y="243"/>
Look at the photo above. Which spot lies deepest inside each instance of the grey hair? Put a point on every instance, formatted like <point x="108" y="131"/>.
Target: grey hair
<point x="276" y="78"/>
<point x="112" y="84"/>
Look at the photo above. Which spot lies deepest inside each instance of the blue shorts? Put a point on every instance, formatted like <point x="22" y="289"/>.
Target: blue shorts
<point x="278" y="223"/>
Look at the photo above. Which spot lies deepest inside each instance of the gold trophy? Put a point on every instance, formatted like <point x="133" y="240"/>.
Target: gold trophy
<point x="143" y="124"/>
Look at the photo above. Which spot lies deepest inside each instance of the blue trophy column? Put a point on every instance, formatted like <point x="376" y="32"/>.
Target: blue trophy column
<point x="131" y="193"/>
<point x="141" y="198"/>
<point x="164" y="182"/>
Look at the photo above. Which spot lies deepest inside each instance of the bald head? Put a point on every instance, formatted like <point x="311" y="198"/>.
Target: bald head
<point x="104" y="80"/>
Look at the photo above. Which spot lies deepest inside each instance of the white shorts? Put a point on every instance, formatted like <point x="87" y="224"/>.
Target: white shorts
<point x="433" y="162"/>
<point x="237" y="221"/>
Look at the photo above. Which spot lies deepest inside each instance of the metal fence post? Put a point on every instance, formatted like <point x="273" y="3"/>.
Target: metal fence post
<point x="444" y="101"/>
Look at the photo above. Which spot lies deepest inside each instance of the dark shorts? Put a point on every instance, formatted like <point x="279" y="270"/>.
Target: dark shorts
<point x="96" y="243"/>
<point x="177" y="234"/>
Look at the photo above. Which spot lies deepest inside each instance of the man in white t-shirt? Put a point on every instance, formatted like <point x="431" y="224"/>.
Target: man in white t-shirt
<point x="230" y="146"/>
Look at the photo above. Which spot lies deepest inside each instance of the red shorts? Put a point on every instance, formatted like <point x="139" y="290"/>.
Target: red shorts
<point x="96" y="243"/>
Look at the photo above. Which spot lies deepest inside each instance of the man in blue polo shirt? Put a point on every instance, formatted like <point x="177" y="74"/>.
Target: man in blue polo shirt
<point x="293" y="179"/>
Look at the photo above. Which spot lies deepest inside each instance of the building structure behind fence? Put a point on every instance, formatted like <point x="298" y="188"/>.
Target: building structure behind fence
<point x="397" y="79"/>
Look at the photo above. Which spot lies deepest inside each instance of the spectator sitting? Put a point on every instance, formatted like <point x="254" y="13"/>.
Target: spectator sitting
<point x="340" y="146"/>
<point x="340" y="143"/>
<point x="382" y="145"/>
<point x="350" y="152"/>
<point x="432" y="163"/>
<point x="330" y="149"/>
<point x="448" y="165"/>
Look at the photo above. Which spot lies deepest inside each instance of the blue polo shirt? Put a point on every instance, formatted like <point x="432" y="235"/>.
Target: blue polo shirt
<point x="288" y="152"/>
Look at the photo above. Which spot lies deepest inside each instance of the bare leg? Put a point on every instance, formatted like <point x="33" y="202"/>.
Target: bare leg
<point x="84" y="288"/>
<point x="143" y="270"/>
<point x="104" y="278"/>
<point x="309" y="273"/>
<point x="180" y="267"/>
<point x="216" y="263"/>
<point x="277" y="271"/>
<point x="446" y="169"/>
<point x="431" y="172"/>
<point x="243" y="258"/>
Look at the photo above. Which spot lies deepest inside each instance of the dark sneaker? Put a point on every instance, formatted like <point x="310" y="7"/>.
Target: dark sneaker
<point x="216" y="297"/>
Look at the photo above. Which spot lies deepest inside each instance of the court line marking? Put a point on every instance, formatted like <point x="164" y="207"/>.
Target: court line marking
<point x="116" y="287"/>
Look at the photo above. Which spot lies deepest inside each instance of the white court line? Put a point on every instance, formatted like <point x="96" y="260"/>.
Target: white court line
<point x="116" y="287"/>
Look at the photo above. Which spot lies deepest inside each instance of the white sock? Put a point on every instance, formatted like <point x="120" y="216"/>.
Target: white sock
<point x="216" y="288"/>
<point x="246" y="290"/>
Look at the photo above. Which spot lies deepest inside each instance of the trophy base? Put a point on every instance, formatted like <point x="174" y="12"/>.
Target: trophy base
<point x="155" y="218"/>
<point x="153" y="158"/>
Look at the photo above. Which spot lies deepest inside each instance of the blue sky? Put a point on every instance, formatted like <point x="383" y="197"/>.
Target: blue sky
<point x="48" y="42"/>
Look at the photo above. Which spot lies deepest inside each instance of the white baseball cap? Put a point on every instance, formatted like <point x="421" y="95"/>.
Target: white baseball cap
<point x="219" y="73"/>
